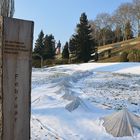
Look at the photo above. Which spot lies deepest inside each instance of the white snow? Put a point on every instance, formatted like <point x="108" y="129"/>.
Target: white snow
<point x="69" y="100"/>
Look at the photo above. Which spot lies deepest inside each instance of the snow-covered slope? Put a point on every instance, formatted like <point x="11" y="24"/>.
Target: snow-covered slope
<point x="68" y="101"/>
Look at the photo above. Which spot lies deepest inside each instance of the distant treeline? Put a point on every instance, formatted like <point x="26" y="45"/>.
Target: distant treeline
<point x="122" y="24"/>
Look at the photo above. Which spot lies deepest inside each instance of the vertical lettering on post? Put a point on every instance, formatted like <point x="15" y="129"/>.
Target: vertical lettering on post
<point x="16" y="97"/>
<point x="16" y="78"/>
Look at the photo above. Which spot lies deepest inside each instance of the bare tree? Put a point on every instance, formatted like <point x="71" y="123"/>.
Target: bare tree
<point x="118" y="33"/>
<point x="103" y="24"/>
<point x="122" y="16"/>
<point x="103" y="20"/>
<point x="7" y="8"/>
<point x="96" y="32"/>
<point x="136" y="14"/>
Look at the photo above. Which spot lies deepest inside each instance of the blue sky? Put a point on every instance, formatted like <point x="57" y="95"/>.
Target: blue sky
<point x="60" y="17"/>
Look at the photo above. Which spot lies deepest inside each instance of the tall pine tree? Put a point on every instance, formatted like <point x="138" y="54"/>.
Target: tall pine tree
<point x="39" y="44"/>
<point x="83" y="41"/>
<point x="128" y="31"/>
<point x="65" y="53"/>
<point x="118" y="34"/>
<point x="58" y="48"/>
<point x="49" y="47"/>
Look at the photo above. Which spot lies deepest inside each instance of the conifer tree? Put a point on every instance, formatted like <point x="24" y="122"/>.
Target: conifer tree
<point x="118" y="34"/>
<point x="82" y="40"/>
<point x="73" y="44"/>
<point x="49" y="47"/>
<point x="58" y="48"/>
<point x="65" y="53"/>
<point x="128" y="31"/>
<point x="59" y="44"/>
<point x="39" y="44"/>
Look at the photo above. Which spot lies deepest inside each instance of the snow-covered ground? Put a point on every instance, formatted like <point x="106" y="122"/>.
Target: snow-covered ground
<point x="68" y="101"/>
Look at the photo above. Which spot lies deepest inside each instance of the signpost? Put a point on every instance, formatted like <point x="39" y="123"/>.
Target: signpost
<point x="16" y="37"/>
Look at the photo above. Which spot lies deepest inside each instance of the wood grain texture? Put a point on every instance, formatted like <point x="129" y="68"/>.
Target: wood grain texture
<point x="1" y="23"/>
<point x="16" y="78"/>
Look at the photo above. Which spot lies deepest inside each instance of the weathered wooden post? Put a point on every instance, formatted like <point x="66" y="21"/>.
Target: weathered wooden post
<point x="15" y="78"/>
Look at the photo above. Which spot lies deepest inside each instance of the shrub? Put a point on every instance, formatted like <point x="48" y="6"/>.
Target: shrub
<point x="123" y="57"/>
<point x="61" y="61"/>
<point x="36" y="63"/>
<point x="134" y="55"/>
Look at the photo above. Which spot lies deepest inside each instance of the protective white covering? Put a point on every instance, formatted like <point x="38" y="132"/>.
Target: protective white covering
<point x="69" y="95"/>
<point x="121" y="123"/>
<point x="74" y="104"/>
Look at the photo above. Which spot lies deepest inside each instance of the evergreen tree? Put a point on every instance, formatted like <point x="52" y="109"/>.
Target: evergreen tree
<point x="39" y="44"/>
<point x="118" y="34"/>
<point x="82" y="40"/>
<point x="65" y="53"/>
<point x="72" y="44"/>
<point x="128" y="31"/>
<point x="58" y="48"/>
<point x="59" y="44"/>
<point x="49" y="47"/>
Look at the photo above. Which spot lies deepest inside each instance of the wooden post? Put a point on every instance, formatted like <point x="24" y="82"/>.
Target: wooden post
<point x="16" y="38"/>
